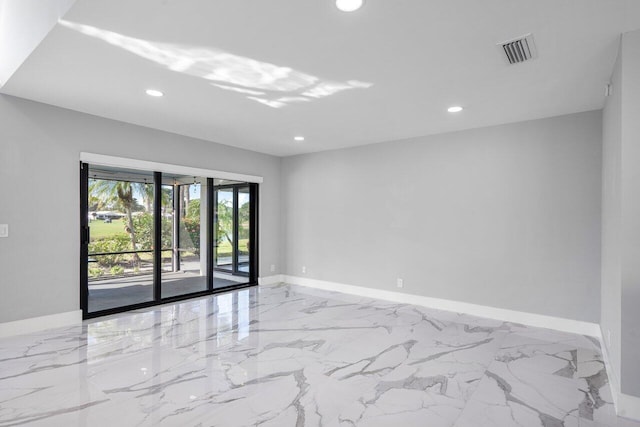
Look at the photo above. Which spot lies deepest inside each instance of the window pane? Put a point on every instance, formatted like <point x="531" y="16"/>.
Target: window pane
<point x="120" y="262"/>
<point x="224" y="252"/>
<point x="244" y="205"/>
<point x="232" y="234"/>
<point x="184" y="236"/>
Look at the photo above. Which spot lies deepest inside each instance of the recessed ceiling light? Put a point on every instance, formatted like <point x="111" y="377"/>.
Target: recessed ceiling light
<point x="299" y="138"/>
<point x="349" y="5"/>
<point x="455" y="109"/>
<point x="153" y="92"/>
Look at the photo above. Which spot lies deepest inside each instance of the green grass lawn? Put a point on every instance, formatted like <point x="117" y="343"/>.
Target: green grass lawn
<point x="100" y="229"/>
<point x="224" y="248"/>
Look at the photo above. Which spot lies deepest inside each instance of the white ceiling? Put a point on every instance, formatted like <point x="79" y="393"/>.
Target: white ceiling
<point x="254" y="74"/>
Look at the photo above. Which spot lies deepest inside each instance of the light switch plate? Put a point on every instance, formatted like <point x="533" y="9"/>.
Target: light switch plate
<point x="4" y="230"/>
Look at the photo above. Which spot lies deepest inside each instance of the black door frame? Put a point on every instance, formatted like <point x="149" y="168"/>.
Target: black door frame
<point x="253" y="212"/>
<point x="157" y="251"/>
<point x="84" y="238"/>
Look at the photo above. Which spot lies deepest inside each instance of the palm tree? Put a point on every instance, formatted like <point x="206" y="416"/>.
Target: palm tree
<point x="224" y="222"/>
<point x="120" y="192"/>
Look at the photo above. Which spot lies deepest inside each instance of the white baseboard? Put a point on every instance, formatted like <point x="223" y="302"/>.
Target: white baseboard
<point x="627" y="406"/>
<point x="35" y="324"/>
<point x="271" y="280"/>
<point x="531" y="319"/>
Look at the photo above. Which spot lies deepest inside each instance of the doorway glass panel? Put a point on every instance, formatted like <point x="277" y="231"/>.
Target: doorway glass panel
<point x="120" y="250"/>
<point x="244" y="247"/>
<point x="224" y="224"/>
<point x="166" y="234"/>
<point x="185" y="237"/>
<point x="232" y="233"/>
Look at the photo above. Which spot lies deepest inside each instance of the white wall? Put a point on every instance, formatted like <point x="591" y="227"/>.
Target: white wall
<point x="621" y="225"/>
<point x="39" y="195"/>
<point x="630" y="197"/>
<point x="507" y="216"/>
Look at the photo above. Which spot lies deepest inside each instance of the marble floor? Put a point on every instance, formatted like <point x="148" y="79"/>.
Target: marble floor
<point x="293" y="356"/>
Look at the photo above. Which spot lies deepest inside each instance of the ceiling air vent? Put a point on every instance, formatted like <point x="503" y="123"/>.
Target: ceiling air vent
<point x="520" y="49"/>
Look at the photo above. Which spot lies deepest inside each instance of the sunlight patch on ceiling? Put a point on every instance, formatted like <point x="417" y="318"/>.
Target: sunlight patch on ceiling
<point x="271" y="85"/>
<point x="238" y="89"/>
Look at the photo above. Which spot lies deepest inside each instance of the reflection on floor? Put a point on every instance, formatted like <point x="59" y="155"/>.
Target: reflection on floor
<point x="292" y="356"/>
<point x="119" y="292"/>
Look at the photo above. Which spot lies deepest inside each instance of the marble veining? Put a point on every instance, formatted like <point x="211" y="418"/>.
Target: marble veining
<point x="286" y="355"/>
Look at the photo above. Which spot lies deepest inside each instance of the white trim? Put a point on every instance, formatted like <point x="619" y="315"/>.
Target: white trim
<point x="625" y="405"/>
<point x="271" y="280"/>
<point x="531" y="319"/>
<point x="123" y="162"/>
<point x="611" y="374"/>
<point x="36" y="324"/>
<point x="628" y="406"/>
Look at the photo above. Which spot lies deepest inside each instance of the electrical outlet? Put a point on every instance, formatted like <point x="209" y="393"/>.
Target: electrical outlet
<point x="273" y="268"/>
<point x="4" y="230"/>
<point x="400" y="283"/>
<point x="304" y="269"/>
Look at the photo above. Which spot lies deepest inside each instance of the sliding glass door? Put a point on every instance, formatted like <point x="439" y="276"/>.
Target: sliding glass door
<point x="184" y="237"/>
<point x="244" y="231"/>
<point x="149" y="237"/>
<point x="234" y="208"/>
<point x="225" y="225"/>
<point x="120" y="260"/>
